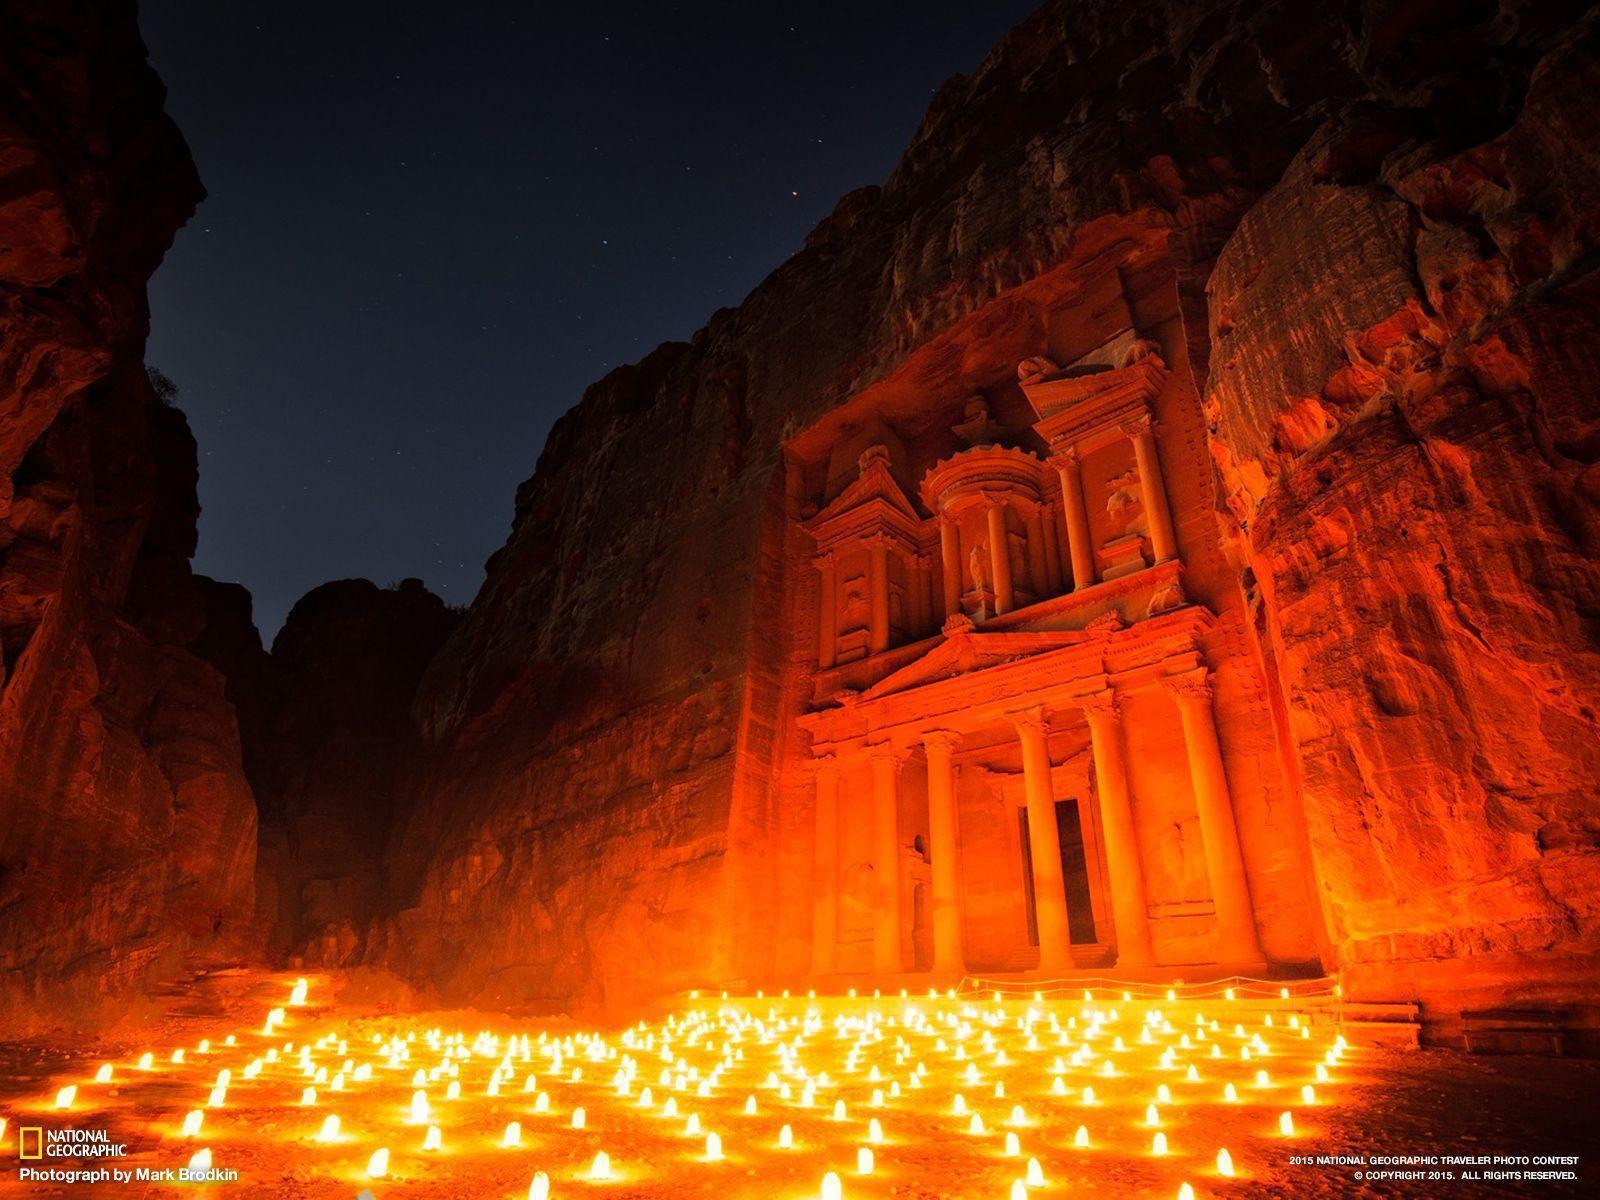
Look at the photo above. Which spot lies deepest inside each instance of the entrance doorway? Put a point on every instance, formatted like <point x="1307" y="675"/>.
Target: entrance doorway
<point x="1074" y="873"/>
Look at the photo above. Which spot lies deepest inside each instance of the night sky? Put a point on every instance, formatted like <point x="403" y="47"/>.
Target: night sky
<point x="431" y="225"/>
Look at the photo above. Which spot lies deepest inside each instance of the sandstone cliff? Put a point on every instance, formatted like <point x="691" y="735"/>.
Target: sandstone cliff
<point x="1382" y="218"/>
<point x="127" y="831"/>
<point x="328" y="737"/>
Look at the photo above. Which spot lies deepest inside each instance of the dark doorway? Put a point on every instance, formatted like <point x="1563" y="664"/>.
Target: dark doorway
<point x="1074" y="874"/>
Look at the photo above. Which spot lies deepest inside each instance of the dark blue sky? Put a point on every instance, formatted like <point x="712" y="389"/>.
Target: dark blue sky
<point x="430" y="225"/>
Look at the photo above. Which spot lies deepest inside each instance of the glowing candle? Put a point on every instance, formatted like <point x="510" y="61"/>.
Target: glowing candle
<point x="330" y="1130"/>
<point x="602" y="1166"/>
<point x="539" y="1189"/>
<point x="146" y="1061"/>
<point x="1286" y="1125"/>
<point x="975" y="1125"/>
<point x="191" y="1123"/>
<point x="578" y="1117"/>
<point x="1185" y="1191"/>
<point x="378" y="1164"/>
<point x="832" y="1189"/>
<point x="433" y="1140"/>
<point x="1013" y="1146"/>
<point x="1035" y="1176"/>
<point x="1158" y="1144"/>
<point x="1230" y="1094"/>
<point x="513" y="1135"/>
<point x="875" y="1132"/>
<point x="713" y="1148"/>
<point x="864" y="1161"/>
<point x="1152" y="1115"/>
<point x="1224" y="1164"/>
<point x="1308" y="1094"/>
<point x="103" y="1075"/>
<point x="750" y="1106"/>
<point x="308" y="1096"/>
<point x="200" y="1161"/>
<point x="785" y="1138"/>
<point x="692" y="1129"/>
<point x="419" y="1109"/>
<point x="66" y="1096"/>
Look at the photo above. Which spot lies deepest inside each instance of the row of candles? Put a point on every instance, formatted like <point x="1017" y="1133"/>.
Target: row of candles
<point x="866" y="1054"/>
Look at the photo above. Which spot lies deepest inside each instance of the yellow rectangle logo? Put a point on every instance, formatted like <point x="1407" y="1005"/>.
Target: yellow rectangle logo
<point x="38" y="1142"/>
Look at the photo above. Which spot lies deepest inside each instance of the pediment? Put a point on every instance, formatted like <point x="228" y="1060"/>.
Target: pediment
<point x="873" y="494"/>
<point x="965" y="652"/>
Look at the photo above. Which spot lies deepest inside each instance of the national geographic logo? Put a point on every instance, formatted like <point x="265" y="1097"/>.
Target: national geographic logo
<point x="35" y="1143"/>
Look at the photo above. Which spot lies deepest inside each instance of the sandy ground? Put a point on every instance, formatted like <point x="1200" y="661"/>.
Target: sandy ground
<point x="1376" y="1102"/>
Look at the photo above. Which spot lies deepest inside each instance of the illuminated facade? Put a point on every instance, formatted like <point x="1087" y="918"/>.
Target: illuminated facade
<point x="1038" y="739"/>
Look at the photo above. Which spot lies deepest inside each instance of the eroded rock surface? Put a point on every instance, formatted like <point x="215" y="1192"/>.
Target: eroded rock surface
<point x="1382" y="221"/>
<point x="127" y="830"/>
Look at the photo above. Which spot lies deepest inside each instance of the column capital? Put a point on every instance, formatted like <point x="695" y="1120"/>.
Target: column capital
<point x="1191" y="686"/>
<point x="1101" y="706"/>
<point x="942" y="741"/>
<point x="1139" y="423"/>
<point x="886" y="752"/>
<point x="1030" y="721"/>
<point x="1065" y="459"/>
<point x="825" y="765"/>
<point x="874" y="540"/>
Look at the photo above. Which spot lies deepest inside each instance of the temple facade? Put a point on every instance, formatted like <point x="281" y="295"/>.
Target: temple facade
<point x="1037" y="738"/>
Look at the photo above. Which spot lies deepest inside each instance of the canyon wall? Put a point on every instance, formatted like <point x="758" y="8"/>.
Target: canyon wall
<point x="1377" y="229"/>
<point x="127" y="830"/>
<point x="1380" y="218"/>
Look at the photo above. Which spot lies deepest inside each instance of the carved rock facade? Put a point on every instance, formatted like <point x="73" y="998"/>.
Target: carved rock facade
<point x="1341" y="588"/>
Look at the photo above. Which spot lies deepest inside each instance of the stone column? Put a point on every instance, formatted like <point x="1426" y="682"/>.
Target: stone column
<point x="1083" y="574"/>
<point x="886" y="957"/>
<point x="1151" y="489"/>
<point x="828" y="624"/>
<point x="917" y="594"/>
<point x="825" y="871"/>
<point x="1230" y="890"/>
<point x="1129" y="910"/>
<point x="1052" y="552"/>
<point x="1049" y="887"/>
<point x="1038" y="579"/>
<point x="950" y="557"/>
<point x="1000" y="557"/>
<point x="947" y="957"/>
<point x="878" y="587"/>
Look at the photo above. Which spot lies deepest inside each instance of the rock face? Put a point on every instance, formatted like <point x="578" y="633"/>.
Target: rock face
<point x="1411" y="453"/>
<point x="1380" y="222"/>
<point x="1363" y="240"/>
<point x="326" y="743"/>
<point x="127" y="830"/>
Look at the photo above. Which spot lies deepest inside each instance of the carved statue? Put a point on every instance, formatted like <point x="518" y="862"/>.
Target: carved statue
<point x="1144" y="350"/>
<point x="1037" y="367"/>
<point x="978" y="565"/>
